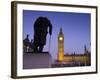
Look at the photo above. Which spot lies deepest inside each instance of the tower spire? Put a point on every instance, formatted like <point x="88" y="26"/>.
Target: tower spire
<point x="61" y="30"/>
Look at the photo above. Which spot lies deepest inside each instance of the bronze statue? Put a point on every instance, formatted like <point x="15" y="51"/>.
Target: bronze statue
<point x="41" y="26"/>
<point x="26" y="40"/>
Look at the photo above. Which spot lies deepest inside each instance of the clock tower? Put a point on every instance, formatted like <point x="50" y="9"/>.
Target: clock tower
<point x="60" y="46"/>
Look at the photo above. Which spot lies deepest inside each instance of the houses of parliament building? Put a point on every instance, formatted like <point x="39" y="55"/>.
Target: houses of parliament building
<point x="82" y="59"/>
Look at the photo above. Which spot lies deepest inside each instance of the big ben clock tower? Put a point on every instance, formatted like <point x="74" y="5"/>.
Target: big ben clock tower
<point x="60" y="46"/>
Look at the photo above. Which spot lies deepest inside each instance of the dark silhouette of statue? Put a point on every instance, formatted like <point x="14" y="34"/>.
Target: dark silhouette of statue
<point x="41" y="27"/>
<point x="26" y="40"/>
<point x="28" y="45"/>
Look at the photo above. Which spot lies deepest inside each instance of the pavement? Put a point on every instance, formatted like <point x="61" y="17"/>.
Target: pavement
<point x="36" y="60"/>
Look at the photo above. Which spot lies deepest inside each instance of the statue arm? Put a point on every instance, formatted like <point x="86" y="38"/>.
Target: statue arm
<point x="50" y="28"/>
<point x="35" y="25"/>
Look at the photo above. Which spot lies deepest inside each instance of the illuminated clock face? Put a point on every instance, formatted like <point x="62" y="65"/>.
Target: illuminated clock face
<point x="60" y="38"/>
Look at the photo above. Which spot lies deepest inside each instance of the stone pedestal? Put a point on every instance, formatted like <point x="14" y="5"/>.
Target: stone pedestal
<point x="36" y="60"/>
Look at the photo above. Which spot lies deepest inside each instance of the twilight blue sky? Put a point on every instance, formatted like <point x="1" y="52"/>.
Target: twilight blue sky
<point x="75" y="26"/>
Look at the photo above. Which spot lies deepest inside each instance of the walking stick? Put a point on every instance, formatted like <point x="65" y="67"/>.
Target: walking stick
<point x="49" y="43"/>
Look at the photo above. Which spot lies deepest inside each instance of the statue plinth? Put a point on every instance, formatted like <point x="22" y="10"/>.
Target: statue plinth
<point x="36" y="60"/>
